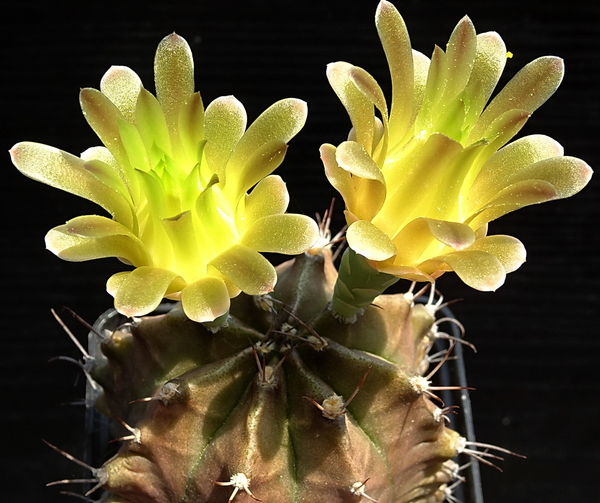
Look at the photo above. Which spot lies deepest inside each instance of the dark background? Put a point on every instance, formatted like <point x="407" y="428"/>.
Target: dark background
<point x="536" y="372"/>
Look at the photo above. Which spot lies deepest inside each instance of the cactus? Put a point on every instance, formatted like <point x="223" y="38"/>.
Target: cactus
<point x="304" y="382"/>
<point x="285" y="403"/>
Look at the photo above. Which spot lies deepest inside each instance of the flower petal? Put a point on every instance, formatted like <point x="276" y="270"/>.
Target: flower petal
<point x="268" y="197"/>
<point x="424" y="172"/>
<point x="508" y="250"/>
<point x="103" y="117"/>
<point x="115" y="281"/>
<point x="396" y="44"/>
<point x="106" y="173"/>
<point x="91" y="237"/>
<point x="352" y="156"/>
<point x="508" y="162"/>
<point x="174" y="77"/>
<point x="281" y="121"/>
<point x="142" y="290"/>
<point x="370" y="242"/>
<point x="224" y="123"/>
<point x="367" y="85"/>
<point x="340" y="178"/>
<point x="289" y="234"/>
<point x="512" y="198"/>
<point x="370" y="188"/>
<point x="478" y="269"/>
<point x="568" y="175"/>
<point x="460" y="56"/>
<point x="122" y="86"/>
<point x="263" y="161"/>
<point x="546" y="180"/>
<point x="247" y="269"/>
<point x="490" y="60"/>
<point x="152" y="127"/>
<point x="453" y="234"/>
<point x="359" y="108"/>
<point x="205" y="299"/>
<point x="527" y="90"/>
<point x="64" y="171"/>
<point x="191" y="128"/>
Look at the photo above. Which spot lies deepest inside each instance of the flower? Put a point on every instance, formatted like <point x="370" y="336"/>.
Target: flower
<point x="422" y="181"/>
<point x="174" y="177"/>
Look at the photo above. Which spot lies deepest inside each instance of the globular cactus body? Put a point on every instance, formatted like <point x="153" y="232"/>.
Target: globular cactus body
<point x="286" y="403"/>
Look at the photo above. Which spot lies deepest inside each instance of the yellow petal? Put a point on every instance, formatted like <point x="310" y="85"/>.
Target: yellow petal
<point x="103" y="117"/>
<point x="478" y="269"/>
<point x="568" y="175"/>
<point x="490" y="60"/>
<point x="453" y="234"/>
<point x="508" y="250"/>
<point x="338" y="177"/>
<point x="191" y="127"/>
<point x="152" y="126"/>
<point x="512" y="198"/>
<point x="527" y="90"/>
<point x="174" y="77"/>
<point x="142" y="290"/>
<point x="396" y="44"/>
<point x="460" y="56"/>
<point x="370" y="242"/>
<point x="269" y="197"/>
<point x="225" y="122"/>
<point x="263" y="161"/>
<point x="205" y="299"/>
<point x="352" y="156"/>
<point x="247" y="269"/>
<point x="289" y="234"/>
<point x="91" y="237"/>
<point x="369" y="184"/>
<point x="121" y="85"/>
<point x="507" y="162"/>
<point x="64" y="171"/>
<point x="367" y="85"/>
<point x="359" y="108"/>
<point x="421" y="70"/>
<point x="281" y="121"/>
<point x="115" y="281"/>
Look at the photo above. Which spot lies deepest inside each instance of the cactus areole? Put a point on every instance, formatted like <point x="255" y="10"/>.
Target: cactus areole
<point x="304" y="383"/>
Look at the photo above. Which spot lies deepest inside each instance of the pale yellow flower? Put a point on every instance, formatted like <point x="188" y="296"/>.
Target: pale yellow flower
<point x="175" y="179"/>
<point x="422" y="180"/>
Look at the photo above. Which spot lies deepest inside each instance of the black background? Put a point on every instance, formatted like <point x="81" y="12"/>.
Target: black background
<point x="536" y="372"/>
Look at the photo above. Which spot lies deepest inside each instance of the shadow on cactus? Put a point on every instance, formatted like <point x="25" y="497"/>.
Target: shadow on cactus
<point x="304" y="382"/>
